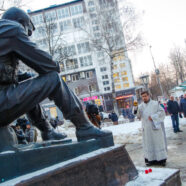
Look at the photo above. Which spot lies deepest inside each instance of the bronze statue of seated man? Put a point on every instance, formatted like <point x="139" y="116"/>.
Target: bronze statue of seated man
<point x="18" y="98"/>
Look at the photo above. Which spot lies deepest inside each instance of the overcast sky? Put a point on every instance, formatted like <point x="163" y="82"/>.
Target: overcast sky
<point x="163" y="26"/>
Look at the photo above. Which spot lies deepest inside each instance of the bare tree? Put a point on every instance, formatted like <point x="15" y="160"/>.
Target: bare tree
<point x="178" y="61"/>
<point x="5" y="4"/>
<point x="108" y="35"/>
<point x="52" y="39"/>
<point x="88" y="88"/>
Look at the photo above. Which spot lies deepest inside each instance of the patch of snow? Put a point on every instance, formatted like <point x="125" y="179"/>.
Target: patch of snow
<point x="7" y="152"/>
<point x="155" y="178"/>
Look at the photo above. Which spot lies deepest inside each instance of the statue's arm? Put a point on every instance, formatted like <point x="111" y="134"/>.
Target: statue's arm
<point x="31" y="55"/>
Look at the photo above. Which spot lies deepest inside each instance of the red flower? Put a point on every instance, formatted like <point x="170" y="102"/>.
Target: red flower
<point x="150" y="170"/>
<point x="146" y="171"/>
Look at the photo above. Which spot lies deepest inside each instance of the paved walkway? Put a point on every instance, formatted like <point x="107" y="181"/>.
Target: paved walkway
<point x="176" y="152"/>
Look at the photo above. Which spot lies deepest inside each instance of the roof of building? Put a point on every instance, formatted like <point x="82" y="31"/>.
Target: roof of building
<point x="54" y="6"/>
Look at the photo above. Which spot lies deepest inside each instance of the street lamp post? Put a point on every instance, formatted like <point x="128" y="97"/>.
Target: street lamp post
<point x="157" y="72"/>
<point x="145" y="81"/>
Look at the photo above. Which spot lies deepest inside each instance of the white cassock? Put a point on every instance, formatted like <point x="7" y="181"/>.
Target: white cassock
<point x="154" y="138"/>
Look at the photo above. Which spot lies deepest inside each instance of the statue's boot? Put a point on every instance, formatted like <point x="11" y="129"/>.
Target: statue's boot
<point x="86" y="130"/>
<point x="38" y="119"/>
<point x="48" y="132"/>
<point x="72" y="110"/>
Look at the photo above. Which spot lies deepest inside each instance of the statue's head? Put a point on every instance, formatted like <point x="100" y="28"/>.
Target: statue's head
<point x="20" y="16"/>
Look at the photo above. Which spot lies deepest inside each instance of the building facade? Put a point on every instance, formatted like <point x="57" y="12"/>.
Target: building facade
<point x="71" y="33"/>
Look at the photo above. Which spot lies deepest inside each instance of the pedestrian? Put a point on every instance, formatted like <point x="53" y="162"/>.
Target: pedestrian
<point x="30" y="133"/>
<point x="53" y="123"/>
<point x="20" y="135"/>
<point x="183" y="105"/>
<point x="165" y="108"/>
<point x="93" y="114"/>
<point x="173" y="109"/>
<point x="113" y="116"/>
<point x="154" y="139"/>
<point x="124" y="113"/>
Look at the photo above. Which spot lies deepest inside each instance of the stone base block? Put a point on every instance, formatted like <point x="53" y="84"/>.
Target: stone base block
<point x="110" y="166"/>
<point x="158" y="177"/>
<point x="37" y="156"/>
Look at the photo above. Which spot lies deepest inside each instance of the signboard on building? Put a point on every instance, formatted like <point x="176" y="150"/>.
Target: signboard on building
<point x="90" y="98"/>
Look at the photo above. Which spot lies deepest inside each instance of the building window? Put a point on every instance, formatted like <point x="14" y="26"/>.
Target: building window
<point x="105" y="77"/>
<point x="37" y="19"/>
<point x="75" y="77"/>
<point x="106" y="88"/>
<point x="118" y="58"/>
<point x="77" y="9"/>
<point x="115" y="67"/>
<point x="63" y="12"/>
<point x="124" y="73"/>
<point x="92" y="88"/>
<point x="71" y="64"/>
<point x="78" y="22"/>
<point x="97" y="35"/>
<point x="105" y="82"/>
<point x="103" y="69"/>
<point x="122" y="65"/>
<point x="93" y="15"/>
<point x="69" y="51"/>
<point x="89" y="74"/>
<point x="65" y="25"/>
<point x="91" y="3"/>
<point x="85" y="61"/>
<point x="95" y="28"/>
<point x="40" y="32"/>
<point x="117" y="80"/>
<point x="95" y="22"/>
<point x="50" y="16"/>
<point x="124" y="78"/>
<point x="83" y="47"/>
<point x="116" y="74"/>
<point x="92" y="9"/>
<point x="118" y="87"/>
<point x="100" y="54"/>
<point x="62" y="68"/>
<point x="126" y="85"/>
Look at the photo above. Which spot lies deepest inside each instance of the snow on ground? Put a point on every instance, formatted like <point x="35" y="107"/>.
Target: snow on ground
<point x="155" y="178"/>
<point x="125" y="133"/>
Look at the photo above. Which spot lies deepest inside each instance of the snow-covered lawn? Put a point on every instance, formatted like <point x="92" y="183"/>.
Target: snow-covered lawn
<point x="126" y="133"/>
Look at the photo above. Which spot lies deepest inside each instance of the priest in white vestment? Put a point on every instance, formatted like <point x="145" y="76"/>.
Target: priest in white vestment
<point x="154" y="139"/>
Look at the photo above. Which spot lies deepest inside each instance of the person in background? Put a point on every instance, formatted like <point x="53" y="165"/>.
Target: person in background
<point x="173" y="109"/>
<point x="59" y="122"/>
<point x="53" y="122"/>
<point x="22" y="122"/>
<point x="124" y="113"/>
<point x="30" y="133"/>
<point x="183" y="105"/>
<point x="154" y="139"/>
<point x="162" y="105"/>
<point x="113" y="116"/>
<point x="93" y="114"/>
<point x="165" y="108"/>
<point x="20" y="135"/>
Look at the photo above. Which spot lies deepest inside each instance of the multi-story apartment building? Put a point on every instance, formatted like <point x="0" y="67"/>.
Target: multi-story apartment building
<point x="69" y="31"/>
